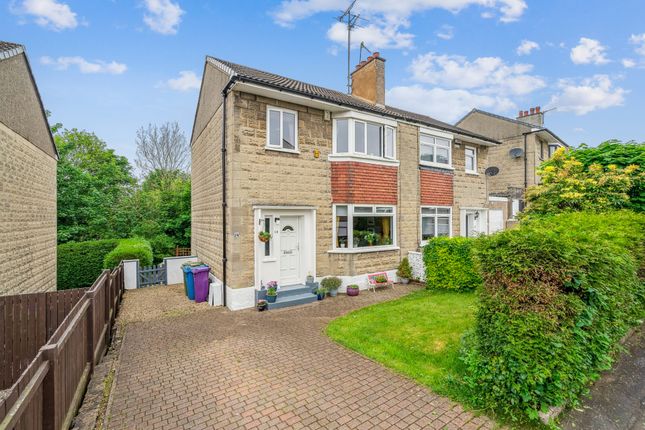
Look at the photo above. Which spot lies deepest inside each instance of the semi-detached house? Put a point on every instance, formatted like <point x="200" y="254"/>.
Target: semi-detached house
<point x="345" y="184"/>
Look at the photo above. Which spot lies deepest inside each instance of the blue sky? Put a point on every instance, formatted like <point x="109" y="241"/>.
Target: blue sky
<point x="111" y="66"/>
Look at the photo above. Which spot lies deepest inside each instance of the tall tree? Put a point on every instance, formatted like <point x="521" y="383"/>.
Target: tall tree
<point x="92" y="183"/>
<point x="162" y="149"/>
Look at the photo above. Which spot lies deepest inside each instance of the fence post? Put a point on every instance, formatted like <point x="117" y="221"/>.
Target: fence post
<point x="52" y="389"/>
<point x="91" y="341"/>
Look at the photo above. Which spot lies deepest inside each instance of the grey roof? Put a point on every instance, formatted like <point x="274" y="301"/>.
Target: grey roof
<point x="245" y="73"/>
<point x="8" y="49"/>
<point x="513" y="120"/>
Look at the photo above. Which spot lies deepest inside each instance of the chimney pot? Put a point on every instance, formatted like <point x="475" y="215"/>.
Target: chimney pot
<point x="526" y="113"/>
<point x="370" y="58"/>
<point x="362" y="63"/>
<point x="537" y="109"/>
<point x="521" y="114"/>
<point x="532" y="111"/>
<point x="376" y="54"/>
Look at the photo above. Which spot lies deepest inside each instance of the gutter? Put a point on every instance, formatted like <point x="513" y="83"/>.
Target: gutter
<point x="225" y="92"/>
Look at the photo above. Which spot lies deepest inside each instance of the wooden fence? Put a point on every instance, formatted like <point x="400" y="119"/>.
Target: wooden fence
<point x="49" y="391"/>
<point x="182" y="252"/>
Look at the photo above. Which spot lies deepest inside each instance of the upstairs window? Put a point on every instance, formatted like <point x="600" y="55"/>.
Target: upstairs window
<point x="282" y="129"/>
<point x="471" y="159"/>
<point x="435" y="150"/>
<point x="356" y="137"/>
<point x="552" y="149"/>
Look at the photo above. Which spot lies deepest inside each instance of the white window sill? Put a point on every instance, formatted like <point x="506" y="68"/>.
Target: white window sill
<point x="363" y="159"/>
<point x="437" y="165"/>
<point x="290" y="151"/>
<point x="472" y="173"/>
<point x="363" y="250"/>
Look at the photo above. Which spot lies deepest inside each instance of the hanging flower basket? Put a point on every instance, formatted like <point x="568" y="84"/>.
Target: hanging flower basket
<point x="264" y="236"/>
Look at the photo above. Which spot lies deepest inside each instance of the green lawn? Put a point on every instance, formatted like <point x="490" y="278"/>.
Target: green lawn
<point x="417" y="335"/>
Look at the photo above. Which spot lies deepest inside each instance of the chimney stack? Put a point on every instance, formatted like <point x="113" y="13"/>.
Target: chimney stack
<point x="533" y="116"/>
<point x="368" y="80"/>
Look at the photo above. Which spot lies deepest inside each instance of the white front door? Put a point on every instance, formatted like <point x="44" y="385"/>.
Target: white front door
<point x="290" y="250"/>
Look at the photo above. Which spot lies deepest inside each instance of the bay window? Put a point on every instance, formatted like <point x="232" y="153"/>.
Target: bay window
<point x="282" y="129"/>
<point x="435" y="222"/>
<point x="434" y="150"/>
<point x="363" y="226"/>
<point x="363" y="138"/>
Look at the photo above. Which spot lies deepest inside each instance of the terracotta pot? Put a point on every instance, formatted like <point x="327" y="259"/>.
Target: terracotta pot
<point x="353" y="291"/>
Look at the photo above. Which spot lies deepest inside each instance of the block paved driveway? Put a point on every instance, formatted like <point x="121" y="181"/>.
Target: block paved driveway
<point x="212" y="368"/>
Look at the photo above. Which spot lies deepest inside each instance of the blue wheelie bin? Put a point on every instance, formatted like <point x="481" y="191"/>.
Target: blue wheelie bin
<point x="190" y="282"/>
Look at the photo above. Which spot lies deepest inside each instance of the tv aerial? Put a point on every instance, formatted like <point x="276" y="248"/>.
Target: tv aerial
<point x="350" y="19"/>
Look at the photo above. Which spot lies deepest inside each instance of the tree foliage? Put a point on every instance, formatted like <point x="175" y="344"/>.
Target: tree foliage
<point x="609" y="176"/>
<point x="162" y="149"/>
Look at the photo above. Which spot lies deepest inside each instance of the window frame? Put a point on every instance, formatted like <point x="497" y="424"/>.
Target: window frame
<point x="351" y="213"/>
<point x="280" y="148"/>
<point x="551" y="148"/>
<point x="436" y="224"/>
<point x="434" y="145"/>
<point x="474" y="149"/>
<point x="351" y="139"/>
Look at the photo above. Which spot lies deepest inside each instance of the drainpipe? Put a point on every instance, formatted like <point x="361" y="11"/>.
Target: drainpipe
<point x="224" y="200"/>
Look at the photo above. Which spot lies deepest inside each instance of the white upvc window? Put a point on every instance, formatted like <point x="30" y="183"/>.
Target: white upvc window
<point x="364" y="226"/>
<point x="470" y="154"/>
<point x="435" y="150"/>
<point x="364" y="138"/>
<point x="436" y="221"/>
<point x="282" y="129"/>
<point x="552" y="149"/>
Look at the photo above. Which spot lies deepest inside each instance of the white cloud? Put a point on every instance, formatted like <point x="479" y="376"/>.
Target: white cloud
<point x="639" y="41"/>
<point x="628" y="63"/>
<point x="393" y="15"/>
<point x="588" y="95"/>
<point x="375" y="37"/>
<point x="163" y="16"/>
<point x="443" y="104"/>
<point x="48" y="13"/>
<point x="84" y="66"/>
<point x="446" y="32"/>
<point x="589" y="51"/>
<point x="186" y="81"/>
<point x="526" y="47"/>
<point x="489" y="75"/>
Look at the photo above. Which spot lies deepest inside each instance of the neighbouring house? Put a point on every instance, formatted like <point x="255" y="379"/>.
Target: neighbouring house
<point x="525" y="144"/>
<point x="28" y="160"/>
<point x="345" y="184"/>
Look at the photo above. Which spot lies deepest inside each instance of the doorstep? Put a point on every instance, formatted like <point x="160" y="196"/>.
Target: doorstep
<point x="293" y="295"/>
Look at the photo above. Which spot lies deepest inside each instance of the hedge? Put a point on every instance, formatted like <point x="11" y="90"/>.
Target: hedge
<point x="129" y="249"/>
<point x="449" y="264"/>
<point x="80" y="263"/>
<point x="558" y="295"/>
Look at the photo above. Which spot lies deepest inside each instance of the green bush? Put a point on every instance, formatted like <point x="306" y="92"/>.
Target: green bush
<point x="331" y="283"/>
<point x="80" y="263"/>
<point x="129" y="249"/>
<point x="404" y="270"/>
<point x="558" y="294"/>
<point x="162" y="246"/>
<point x="449" y="264"/>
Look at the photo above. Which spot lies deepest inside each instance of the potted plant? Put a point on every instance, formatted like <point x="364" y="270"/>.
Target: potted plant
<point x="264" y="236"/>
<point x="272" y="291"/>
<point x="405" y="271"/>
<point x="321" y="292"/>
<point x="342" y="242"/>
<point x="262" y="305"/>
<point x="332" y="284"/>
<point x="353" y="290"/>
<point x="370" y="238"/>
<point x="380" y="279"/>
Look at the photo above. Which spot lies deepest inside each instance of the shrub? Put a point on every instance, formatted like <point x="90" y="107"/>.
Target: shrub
<point x="129" y="249"/>
<point x="331" y="283"/>
<point x="559" y="293"/>
<point x="449" y="264"/>
<point x="404" y="270"/>
<point x="80" y="263"/>
<point x="162" y="246"/>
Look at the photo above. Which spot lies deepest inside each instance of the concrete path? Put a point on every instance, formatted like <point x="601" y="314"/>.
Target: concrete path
<point x="211" y="368"/>
<point x="617" y="400"/>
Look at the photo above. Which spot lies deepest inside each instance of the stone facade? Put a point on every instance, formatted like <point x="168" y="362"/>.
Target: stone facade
<point x="469" y="188"/>
<point x="27" y="216"/>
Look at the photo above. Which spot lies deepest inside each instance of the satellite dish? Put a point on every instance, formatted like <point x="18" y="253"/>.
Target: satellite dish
<point x="491" y="171"/>
<point x="516" y="152"/>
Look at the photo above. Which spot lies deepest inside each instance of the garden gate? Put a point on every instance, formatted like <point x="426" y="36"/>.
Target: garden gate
<point x="153" y="275"/>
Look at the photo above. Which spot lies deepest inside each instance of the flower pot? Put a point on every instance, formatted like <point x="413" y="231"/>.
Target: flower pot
<point x="320" y="296"/>
<point x="333" y="293"/>
<point x="271" y="299"/>
<point x="353" y="291"/>
<point x="262" y="308"/>
<point x="404" y="281"/>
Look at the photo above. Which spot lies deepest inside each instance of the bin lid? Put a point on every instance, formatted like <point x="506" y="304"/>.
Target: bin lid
<point x="186" y="268"/>
<point x="201" y="269"/>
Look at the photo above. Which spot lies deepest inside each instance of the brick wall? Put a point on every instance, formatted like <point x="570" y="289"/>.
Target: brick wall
<point x="353" y="182"/>
<point x="436" y="188"/>
<point x="27" y="216"/>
